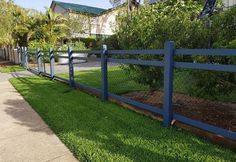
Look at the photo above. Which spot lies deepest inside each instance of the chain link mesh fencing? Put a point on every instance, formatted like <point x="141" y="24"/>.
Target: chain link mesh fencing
<point x="87" y="67"/>
<point x="141" y="83"/>
<point x="206" y="96"/>
<point x="32" y="60"/>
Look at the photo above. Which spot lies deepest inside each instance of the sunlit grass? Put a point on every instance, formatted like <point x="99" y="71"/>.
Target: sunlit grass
<point x="98" y="131"/>
<point x="11" y="68"/>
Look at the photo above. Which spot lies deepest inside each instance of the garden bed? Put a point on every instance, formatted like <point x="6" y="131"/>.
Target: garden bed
<point x="216" y="113"/>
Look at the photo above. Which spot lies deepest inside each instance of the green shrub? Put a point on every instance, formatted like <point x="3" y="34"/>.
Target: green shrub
<point x="112" y="42"/>
<point x="79" y="45"/>
<point x="151" y="26"/>
<point x="222" y="33"/>
<point x="176" y="20"/>
<point x="90" y="42"/>
<point x="42" y="45"/>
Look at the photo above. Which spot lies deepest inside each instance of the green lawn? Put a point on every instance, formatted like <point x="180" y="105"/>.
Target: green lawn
<point x="12" y="68"/>
<point x="119" y="82"/>
<point x="97" y="131"/>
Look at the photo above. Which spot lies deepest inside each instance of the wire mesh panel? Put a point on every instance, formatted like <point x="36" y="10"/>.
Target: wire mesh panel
<point x="32" y="61"/>
<point x="206" y="96"/>
<point x="60" y="64"/>
<point x="44" y="59"/>
<point x="137" y="77"/>
<point x="87" y="68"/>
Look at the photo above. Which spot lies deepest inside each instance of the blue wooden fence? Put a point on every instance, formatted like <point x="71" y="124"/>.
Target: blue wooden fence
<point x="168" y="64"/>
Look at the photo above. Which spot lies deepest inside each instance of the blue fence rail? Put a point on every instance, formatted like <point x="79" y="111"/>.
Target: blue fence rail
<point x="168" y="63"/>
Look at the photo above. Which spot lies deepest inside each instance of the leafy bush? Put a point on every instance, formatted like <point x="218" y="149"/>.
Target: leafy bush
<point x="75" y="46"/>
<point x="89" y="42"/>
<point x="166" y="20"/>
<point x="42" y="45"/>
<point x="222" y="33"/>
<point x="176" y="20"/>
<point x="112" y="42"/>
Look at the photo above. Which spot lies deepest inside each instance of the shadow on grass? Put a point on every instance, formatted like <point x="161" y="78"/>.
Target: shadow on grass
<point x="97" y="131"/>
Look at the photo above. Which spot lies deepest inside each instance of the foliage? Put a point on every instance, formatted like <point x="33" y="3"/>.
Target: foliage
<point x="26" y="23"/>
<point x="19" y="26"/>
<point x="78" y="45"/>
<point x="6" y="22"/>
<point x="75" y="25"/>
<point x="167" y="20"/>
<point x="222" y="35"/>
<point x="90" y="42"/>
<point x="176" y="20"/>
<point x="112" y="42"/>
<point x="54" y="27"/>
<point x="224" y="28"/>
<point x="42" y="45"/>
<point x="98" y="131"/>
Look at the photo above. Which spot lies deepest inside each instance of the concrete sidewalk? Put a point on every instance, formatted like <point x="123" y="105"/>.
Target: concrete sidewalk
<point x="24" y="137"/>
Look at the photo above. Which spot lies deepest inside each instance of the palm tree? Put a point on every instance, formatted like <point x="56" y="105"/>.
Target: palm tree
<point x="24" y="25"/>
<point x="55" y="26"/>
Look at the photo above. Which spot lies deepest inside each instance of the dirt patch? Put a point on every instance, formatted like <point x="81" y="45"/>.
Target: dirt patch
<point x="216" y="113"/>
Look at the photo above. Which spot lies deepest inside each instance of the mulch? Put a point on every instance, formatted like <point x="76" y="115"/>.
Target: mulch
<point x="215" y="113"/>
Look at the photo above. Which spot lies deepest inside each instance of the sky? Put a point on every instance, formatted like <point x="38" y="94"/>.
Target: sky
<point x="41" y="4"/>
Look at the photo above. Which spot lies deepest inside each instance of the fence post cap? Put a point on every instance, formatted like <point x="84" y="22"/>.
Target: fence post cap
<point x="169" y="42"/>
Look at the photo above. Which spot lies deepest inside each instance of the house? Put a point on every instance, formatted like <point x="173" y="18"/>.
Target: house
<point x="96" y="21"/>
<point x="229" y="3"/>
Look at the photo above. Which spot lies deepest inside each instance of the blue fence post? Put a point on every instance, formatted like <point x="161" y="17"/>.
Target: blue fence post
<point x="104" y="73"/>
<point x="51" y="63"/>
<point x="168" y="82"/>
<point x="71" y="68"/>
<point x="39" y="61"/>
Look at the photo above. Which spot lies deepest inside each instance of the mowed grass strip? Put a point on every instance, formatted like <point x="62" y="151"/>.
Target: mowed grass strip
<point x="11" y="68"/>
<point x="119" y="81"/>
<point x="98" y="131"/>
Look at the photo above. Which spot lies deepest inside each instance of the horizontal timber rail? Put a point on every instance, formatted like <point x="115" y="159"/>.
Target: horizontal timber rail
<point x="87" y="52"/>
<point x="206" y="52"/>
<point x="214" y="67"/>
<point x="137" y="62"/>
<point x="136" y="52"/>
